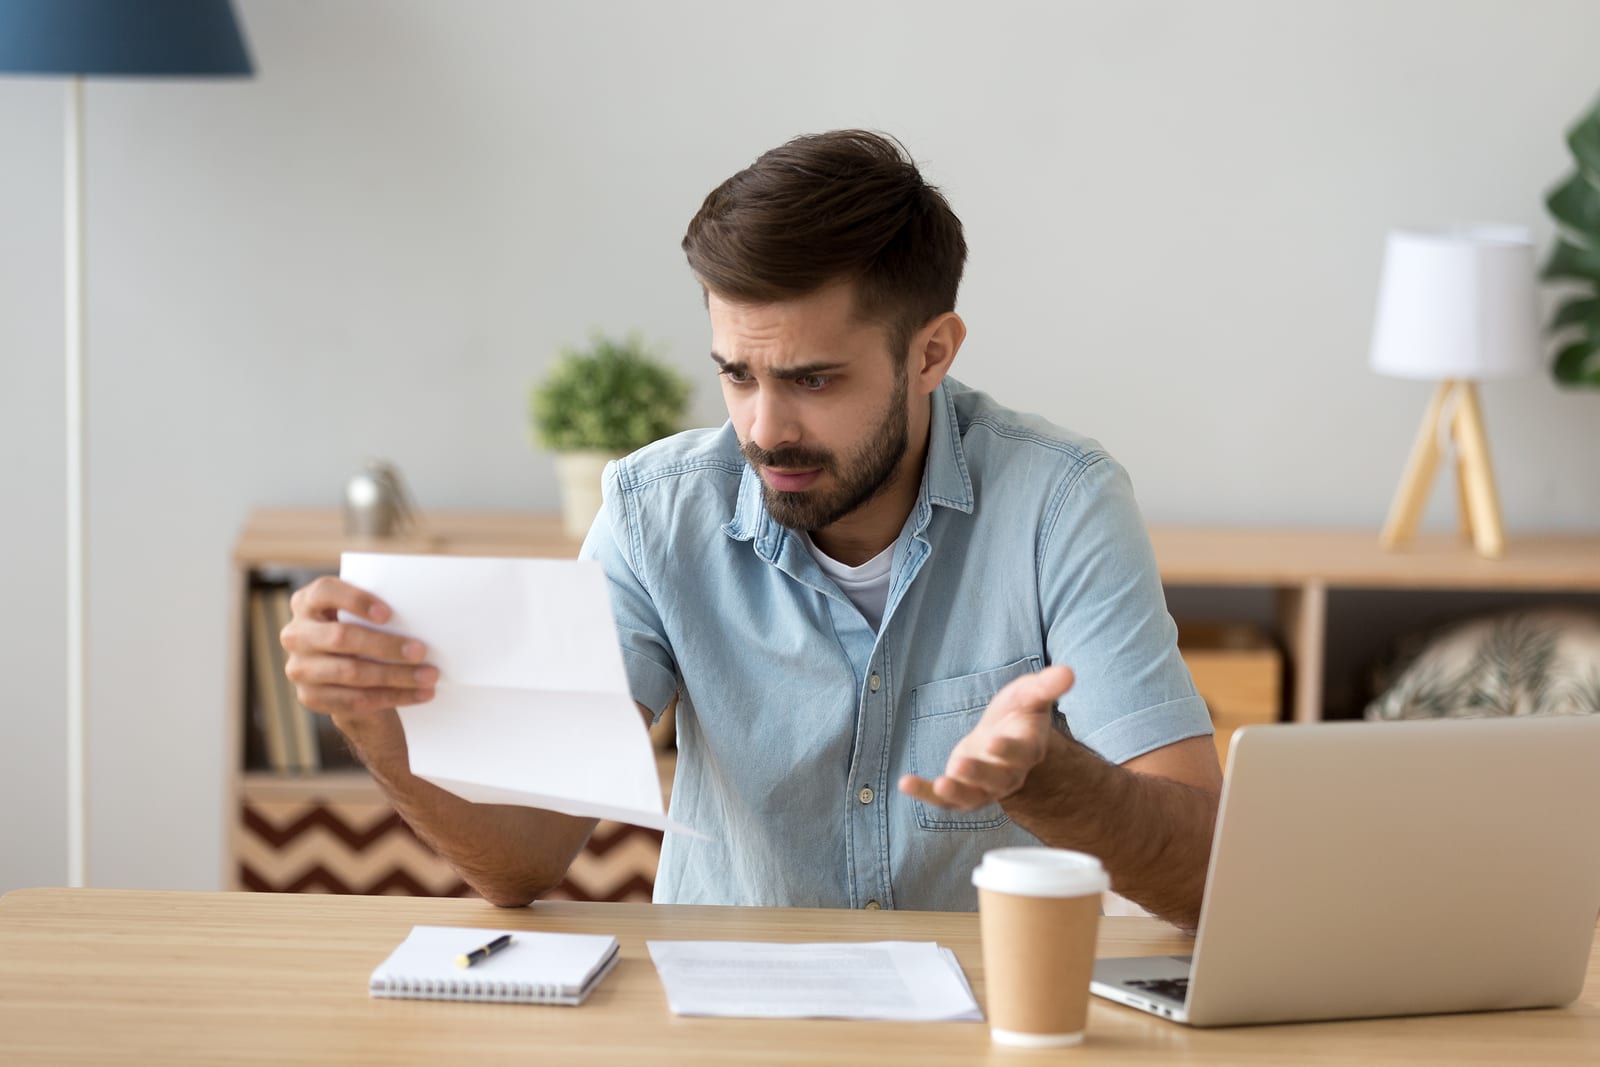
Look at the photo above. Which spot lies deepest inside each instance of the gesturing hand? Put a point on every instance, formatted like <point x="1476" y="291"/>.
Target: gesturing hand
<point x="993" y="761"/>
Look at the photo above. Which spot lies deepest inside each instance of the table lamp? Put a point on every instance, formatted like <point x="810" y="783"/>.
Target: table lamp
<point x="123" y="39"/>
<point x="1455" y="306"/>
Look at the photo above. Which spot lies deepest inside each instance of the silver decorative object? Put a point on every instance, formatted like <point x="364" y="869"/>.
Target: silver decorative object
<point x="376" y="502"/>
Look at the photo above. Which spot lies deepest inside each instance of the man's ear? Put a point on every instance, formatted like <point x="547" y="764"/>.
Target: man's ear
<point x="934" y="348"/>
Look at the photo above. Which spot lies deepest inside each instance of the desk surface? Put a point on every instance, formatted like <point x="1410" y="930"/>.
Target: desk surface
<point x="94" y="976"/>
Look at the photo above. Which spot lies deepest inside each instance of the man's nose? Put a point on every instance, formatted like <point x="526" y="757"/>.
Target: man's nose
<point x="775" y="426"/>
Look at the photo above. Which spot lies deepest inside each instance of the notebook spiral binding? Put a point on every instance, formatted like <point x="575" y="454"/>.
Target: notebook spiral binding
<point x="468" y="989"/>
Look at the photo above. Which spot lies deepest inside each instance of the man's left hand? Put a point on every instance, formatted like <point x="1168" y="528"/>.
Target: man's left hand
<point x="993" y="761"/>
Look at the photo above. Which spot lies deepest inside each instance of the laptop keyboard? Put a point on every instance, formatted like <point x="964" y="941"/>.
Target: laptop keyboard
<point x="1172" y="988"/>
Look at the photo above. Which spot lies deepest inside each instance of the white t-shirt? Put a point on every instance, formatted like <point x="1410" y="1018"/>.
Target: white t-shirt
<point x="867" y="586"/>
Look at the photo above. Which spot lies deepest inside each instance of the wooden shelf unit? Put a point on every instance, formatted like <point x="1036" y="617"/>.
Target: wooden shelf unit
<point x="1298" y="568"/>
<point x="335" y="831"/>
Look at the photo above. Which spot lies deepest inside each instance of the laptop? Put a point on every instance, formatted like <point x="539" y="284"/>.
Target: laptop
<point x="1396" y="868"/>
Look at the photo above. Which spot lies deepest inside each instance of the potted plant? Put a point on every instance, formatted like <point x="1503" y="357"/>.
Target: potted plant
<point x="1575" y="204"/>
<point x="597" y="404"/>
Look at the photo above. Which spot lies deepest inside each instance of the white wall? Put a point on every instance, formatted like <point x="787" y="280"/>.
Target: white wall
<point x="1175" y="210"/>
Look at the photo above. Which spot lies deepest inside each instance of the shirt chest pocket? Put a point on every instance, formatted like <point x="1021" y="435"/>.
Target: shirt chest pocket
<point x="944" y="712"/>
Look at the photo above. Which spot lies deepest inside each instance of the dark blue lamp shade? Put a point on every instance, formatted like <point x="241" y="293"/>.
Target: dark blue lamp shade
<point x="122" y="38"/>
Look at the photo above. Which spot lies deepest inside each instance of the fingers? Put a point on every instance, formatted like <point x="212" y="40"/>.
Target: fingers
<point x="350" y="639"/>
<point x="1037" y="692"/>
<point x="944" y="792"/>
<point x="995" y="779"/>
<point x="919" y="789"/>
<point x="993" y="762"/>
<point x="336" y="684"/>
<point x="333" y="699"/>
<point x="332" y="682"/>
<point x="971" y="782"/>
<point x="351" y="672"/>
<point x="1013" y="750"/>
<point x="950" y="793"/>
<point x="339" y="667"/>
<point x="327" y="596"/>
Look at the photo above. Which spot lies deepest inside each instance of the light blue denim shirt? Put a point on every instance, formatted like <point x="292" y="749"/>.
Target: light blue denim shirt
<point x="796" y="720"/>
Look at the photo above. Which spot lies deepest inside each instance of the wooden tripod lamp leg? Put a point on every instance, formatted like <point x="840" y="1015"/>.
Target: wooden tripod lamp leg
<point x="1412" y="496"/>
<point x="1463" y="493"/>
<point x="1477" y="476"/>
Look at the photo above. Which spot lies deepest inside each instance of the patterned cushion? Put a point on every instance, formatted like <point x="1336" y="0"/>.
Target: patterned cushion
<point x="1544" y="662"/>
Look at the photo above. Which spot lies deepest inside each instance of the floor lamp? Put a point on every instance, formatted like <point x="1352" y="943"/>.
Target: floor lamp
<point x="119" y="39"/>
<point x="1455" y="306"/>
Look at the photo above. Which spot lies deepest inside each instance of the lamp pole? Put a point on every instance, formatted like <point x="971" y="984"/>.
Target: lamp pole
<point x="120" y="38"/>
<point x="77" y="546"/>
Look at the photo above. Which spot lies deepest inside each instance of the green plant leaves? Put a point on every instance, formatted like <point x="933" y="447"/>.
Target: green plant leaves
<point x="1584" y="140"/>
<point x="1583" y="311"/>
<point x="1576" y="202"/>
<point x="1572" y="261"/>
<point x="614" y="396"/>
<point x="1579" y="362"/>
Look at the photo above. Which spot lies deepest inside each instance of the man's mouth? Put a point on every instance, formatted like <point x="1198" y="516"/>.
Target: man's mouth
<point x="790" y="481"/>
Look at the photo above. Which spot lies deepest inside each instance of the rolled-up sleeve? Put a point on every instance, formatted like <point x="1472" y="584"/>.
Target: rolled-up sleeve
<point x="613" y="542"/>
<point x="1105" y="616"/>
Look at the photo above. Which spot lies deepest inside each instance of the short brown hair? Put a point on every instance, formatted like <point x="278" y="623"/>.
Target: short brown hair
<point x="849" y="205"/>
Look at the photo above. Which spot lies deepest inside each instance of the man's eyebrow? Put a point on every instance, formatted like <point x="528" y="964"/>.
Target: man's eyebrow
<point x="801" y="370"/>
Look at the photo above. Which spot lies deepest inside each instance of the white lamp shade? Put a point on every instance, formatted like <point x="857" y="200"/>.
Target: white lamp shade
<point x="1457" y="304"/>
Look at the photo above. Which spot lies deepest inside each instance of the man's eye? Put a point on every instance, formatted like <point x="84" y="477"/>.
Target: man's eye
<point x="813" y="382"/>
<point x="737" y="377"/>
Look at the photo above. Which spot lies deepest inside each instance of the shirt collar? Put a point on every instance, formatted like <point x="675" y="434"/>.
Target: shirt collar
<point x="945" y="481"/>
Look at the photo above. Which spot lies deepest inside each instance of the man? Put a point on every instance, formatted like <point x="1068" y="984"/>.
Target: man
<point x="867" y="593"/>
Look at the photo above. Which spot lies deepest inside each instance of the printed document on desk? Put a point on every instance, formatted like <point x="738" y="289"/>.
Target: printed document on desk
<point x="899" y="980"/>
<point x="532" y="705"/>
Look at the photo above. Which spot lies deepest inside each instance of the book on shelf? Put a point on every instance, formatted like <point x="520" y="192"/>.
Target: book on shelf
<point x="264" y="670"/>
<point x="294" y="739"/>
<point x="302" y="730"/>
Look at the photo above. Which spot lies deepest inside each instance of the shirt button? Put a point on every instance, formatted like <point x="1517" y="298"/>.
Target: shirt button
<point x="874" y="683"/>
<point x="865" y="796"/>
<point x="872" y="905"/>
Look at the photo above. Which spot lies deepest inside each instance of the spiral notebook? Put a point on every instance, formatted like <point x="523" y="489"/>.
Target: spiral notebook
<point x="536" y="968"/>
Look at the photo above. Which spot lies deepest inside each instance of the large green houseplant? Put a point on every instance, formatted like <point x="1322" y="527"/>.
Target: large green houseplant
<point x="599" y="403"/>
<point x="1575" y="204"/>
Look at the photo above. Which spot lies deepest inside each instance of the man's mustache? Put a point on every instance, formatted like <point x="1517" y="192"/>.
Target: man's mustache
<point x="786" y="458"/>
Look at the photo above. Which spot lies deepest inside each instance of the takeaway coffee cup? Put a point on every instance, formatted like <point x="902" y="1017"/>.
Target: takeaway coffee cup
<point x="1039" y="910"/>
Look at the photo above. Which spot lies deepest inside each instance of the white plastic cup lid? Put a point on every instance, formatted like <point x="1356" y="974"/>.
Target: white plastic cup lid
<point x="1041" y="872"/>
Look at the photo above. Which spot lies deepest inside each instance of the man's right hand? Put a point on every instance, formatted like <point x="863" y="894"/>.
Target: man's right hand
<point x="341" y="668"/>
<point x="359" y="675"/>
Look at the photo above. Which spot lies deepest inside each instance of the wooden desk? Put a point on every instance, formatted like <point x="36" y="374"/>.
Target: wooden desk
<point x="94" y="976"/>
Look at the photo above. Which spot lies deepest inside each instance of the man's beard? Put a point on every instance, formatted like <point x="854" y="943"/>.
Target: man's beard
<point x="868" y="471"/>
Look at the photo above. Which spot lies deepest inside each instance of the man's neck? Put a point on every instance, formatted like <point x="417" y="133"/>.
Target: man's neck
<point x="873" y="526"/>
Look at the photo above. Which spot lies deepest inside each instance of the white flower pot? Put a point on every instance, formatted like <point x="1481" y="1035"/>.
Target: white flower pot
<point x="578" y="474"/>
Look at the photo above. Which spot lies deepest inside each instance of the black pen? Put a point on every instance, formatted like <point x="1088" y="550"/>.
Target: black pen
<point x="467" y="959"/>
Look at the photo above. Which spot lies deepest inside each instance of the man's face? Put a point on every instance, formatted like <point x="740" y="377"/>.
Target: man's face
<point x="820" y="407"/>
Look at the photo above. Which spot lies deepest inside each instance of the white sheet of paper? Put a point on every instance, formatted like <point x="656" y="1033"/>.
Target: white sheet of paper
<point x="532" y="705"/>
<point x="900" y="980"/>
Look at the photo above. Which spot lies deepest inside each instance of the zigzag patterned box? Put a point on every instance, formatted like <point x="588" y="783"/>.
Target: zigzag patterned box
<point x="332" y="845"/>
